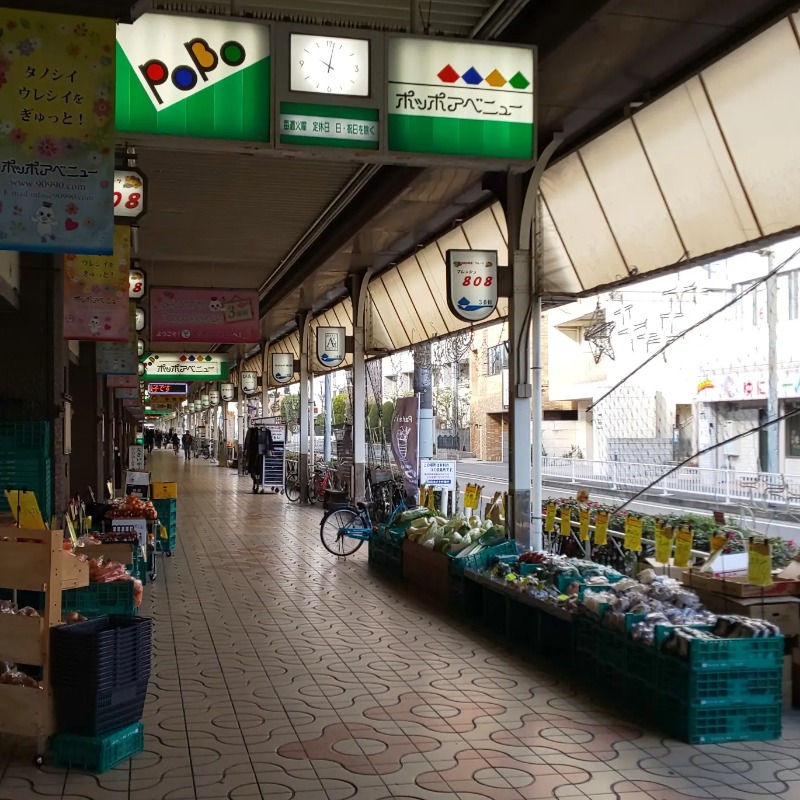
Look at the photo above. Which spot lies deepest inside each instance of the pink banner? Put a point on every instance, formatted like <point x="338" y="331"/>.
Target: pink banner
<point x="217" y="316"/>
<point x="96" y="293"/>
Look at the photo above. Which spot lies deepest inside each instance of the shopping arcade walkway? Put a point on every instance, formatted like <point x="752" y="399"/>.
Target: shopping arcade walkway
<point x="280" y="674"/>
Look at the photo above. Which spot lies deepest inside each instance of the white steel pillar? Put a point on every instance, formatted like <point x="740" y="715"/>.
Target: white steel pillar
<point x="358" y="285"/>
<point x="303" y="318"/>
<point x="772" y="361"/>
<point x="326" y="448"/>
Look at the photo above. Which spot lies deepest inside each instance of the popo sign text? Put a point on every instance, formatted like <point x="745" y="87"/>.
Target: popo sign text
<point x="472" y="283"/>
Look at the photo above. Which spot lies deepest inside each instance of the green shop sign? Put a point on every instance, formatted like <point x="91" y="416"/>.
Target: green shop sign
<point x="193" y="76"/>
<point x="185" y="366"/>
<point x="328" y="126"/>
<point x="460" y="98"/>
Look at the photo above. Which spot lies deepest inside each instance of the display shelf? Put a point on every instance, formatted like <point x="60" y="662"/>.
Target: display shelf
<point x="33" y="561"/>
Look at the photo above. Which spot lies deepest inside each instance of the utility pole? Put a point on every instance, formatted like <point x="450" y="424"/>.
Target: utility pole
<point x="772" y="361"/>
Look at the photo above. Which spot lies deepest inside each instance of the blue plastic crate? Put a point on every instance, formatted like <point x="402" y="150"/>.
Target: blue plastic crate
<point x="97" y="753"/>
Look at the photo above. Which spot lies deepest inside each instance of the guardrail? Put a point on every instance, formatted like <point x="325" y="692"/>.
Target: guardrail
<point x="722" y="485"/>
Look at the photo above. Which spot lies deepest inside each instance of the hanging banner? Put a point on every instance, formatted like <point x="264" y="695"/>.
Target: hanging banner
<point x="204" y="315"/>
<point x="213" y="398"/>
<point x="282" y="367"/>
<point x="405" y="442"/>
<point x="228" y="391"/>
<point x="249" y="382"/>
<point x="202" y="77"/>
<point x="56" y="132"/>
<point x="472" y="283"/>
<point x="184" y="367"/>
<point x="122" y="382"/>
<point x="119" y="358"/>
<point x="330" y="346"/>
<point x="129" y="195"/>
<point x="95" y="287"/>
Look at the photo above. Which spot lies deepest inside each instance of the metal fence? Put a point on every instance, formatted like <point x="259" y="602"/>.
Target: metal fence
<point x="722" y="485"/>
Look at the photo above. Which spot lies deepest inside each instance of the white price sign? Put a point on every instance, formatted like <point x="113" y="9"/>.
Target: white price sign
<point x="282" y="367"/>
<point x="439" y="474"/>
<point x="136" y="456"/>
<point x="129" y="194"/>
<point x="472" y="283"/>
<point x="137" y="526"/>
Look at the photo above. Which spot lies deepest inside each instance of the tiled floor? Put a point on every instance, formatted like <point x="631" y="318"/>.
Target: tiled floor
<point x="280" y="674"/>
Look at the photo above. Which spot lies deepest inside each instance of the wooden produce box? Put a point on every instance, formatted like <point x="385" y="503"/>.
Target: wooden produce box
<point x="426" y="569"/>
<point x="121" y="552"/>
<point x="738" y="586"/>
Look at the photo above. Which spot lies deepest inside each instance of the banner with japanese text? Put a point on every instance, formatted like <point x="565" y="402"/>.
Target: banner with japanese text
<point x="119" y="358"/>
<point x="405" y="443"/>
<point x="96" y="306"/>
<point x="57" y="133"/>
<point x="223" y="316"/>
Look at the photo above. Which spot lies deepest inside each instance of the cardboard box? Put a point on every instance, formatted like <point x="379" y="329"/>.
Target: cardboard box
<point x="738" y="586"/>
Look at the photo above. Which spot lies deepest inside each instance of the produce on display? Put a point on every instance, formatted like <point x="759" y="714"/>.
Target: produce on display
<point x="11" y="676"/>
<point x="457" y="536"/>
<point x="132" y="507"/>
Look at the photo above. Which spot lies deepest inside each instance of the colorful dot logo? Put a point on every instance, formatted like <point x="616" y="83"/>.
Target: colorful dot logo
<point x="472" y="77"/>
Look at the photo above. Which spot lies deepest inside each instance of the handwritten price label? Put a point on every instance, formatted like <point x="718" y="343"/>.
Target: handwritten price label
<point x="633" y="534"/>
<point x="583" y="518"/>
<point x="550" y="518"/>
<point x="601" y="529"/>
<point x="566" y="527"/>
<point x="759" y="564"/>
<point x="664" y="538"/>
<point x="683" y="547"/>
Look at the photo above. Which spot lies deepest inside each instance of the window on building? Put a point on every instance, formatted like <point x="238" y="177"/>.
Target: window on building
<point x="794" y="293"/>
<point x="793" y="431"/>
<point x="498" y="358"/>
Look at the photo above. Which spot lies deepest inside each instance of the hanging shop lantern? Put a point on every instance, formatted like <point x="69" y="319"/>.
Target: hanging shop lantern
<point x="205" y="401"/>
<point x="213" y="398"/>
<point x="228" y="392"/>
<point x="249" y="382"/>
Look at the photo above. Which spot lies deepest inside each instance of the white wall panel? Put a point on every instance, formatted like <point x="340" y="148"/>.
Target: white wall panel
<point x="755" y="92"/>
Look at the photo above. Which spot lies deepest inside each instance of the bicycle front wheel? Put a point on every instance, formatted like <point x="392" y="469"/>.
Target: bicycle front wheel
<point x="332" y="531"/>
<point x="292" y="488"/>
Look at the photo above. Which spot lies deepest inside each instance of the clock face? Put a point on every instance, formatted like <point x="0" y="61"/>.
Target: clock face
<point x="329" y="65"/>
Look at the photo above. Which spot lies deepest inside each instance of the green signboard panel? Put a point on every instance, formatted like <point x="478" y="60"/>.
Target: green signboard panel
<point x="460" y="98"/>
<point x="195" y="77"/>
<point x="328" y="126"/>
<point x="184" y="367"/>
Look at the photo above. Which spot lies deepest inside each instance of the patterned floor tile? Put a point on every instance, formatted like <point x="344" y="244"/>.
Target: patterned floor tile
<point x="280" y="673"/>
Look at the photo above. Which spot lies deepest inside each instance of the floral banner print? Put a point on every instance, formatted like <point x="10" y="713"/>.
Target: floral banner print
<point x="96" y="293"/>
<point x="57" y="133"/>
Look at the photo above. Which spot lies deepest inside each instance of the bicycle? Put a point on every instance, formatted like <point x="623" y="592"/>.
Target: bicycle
<point x="340" y="526"/>
<point x="205" y="451"/>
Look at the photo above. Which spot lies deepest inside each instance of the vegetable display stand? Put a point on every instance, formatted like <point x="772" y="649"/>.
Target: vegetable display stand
<point x="33" y="561"/>
<point x="426" y="569"/>
<point x="386" y="551"/>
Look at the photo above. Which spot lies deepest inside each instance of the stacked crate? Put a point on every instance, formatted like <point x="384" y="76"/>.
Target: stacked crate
<point x="165" y="502"/>
<point x="25" y="462"/>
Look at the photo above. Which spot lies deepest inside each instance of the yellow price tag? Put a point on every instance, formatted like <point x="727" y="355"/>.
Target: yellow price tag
<point x="601" y="529"/>
<point x="583" y="517"/>
<point x="759" y="564"/>
<point x="550" y="518"/>
<point x="566" y="517"/>
<point x="664" y="537"/>
<point x="718" y="542"/>
<point x="163" y="534"/>
<point x="633" y="534"/>
<point x="683" y="548"/>
<point x="25" y="509"/>
<point x="71" y="530"/>
<point x="471" y="496"/>
<point x="430" y="498"/>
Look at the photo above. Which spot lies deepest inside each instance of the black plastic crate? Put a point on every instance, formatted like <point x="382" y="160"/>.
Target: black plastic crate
<point x="89" y="713"/>
<point x="102" y="654"/>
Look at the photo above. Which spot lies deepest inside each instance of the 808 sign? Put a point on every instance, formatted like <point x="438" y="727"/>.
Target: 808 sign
<point x="129" y="195"/>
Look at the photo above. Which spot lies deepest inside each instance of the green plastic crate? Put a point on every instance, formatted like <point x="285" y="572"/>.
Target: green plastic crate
<point x="481" y="560"/>
<point x="98" y="599"/>
<point x="720" y="687"/>
<point x="30" y="436"/>
<point x="734" y="653"/>
<point x="611" y="649"/>
<point x="642" y="664"/>
<point x="709" y="725"/>
<point x="97" y="753"/>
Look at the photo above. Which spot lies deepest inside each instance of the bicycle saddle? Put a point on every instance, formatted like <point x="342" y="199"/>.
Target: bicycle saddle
<point x="364" y="506"/>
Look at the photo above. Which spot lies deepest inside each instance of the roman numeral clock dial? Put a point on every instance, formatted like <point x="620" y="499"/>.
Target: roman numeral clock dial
<point x="329" y="65"/>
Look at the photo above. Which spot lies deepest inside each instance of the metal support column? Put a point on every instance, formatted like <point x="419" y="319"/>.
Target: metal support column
<point x="519" y="379"/>
<point x="304" y="333"/>
<point x="326" y="448"/>
<point x="772" y="361"/>
<point x="358" y="285"/>
<point x="423" y="386"/>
